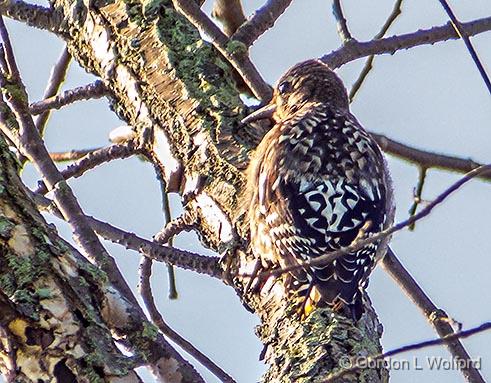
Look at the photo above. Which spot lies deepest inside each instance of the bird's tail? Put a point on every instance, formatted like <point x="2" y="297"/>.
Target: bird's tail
<point x="348" y="303"/>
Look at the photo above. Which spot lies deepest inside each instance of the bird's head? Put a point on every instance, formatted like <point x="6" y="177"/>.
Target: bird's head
<point x="306" y="83"/>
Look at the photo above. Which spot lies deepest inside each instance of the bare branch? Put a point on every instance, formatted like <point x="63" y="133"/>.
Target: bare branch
<point x="95" y="158"/>
<point x="428" y="159"/>
<point x="235" y="53"/>
<point x="173" y="294"/>
<point x="9" y="66"/>
<point x="167" y="239"/>
<point x="417" y="195"/>
<point x="437" y="317"/>
<point x="354" y="50"/>
<point x="31" y="14"/>
<point x="86" y="92"/>
<point x="230" y="14"/>
<point x="358" y="244"/>
<point x="262" y="20"/>
<point x="71" y="155"/>
<point x="56" y="79"/>
<point x="415" y="346"/>
<point x="182" y="223"/>
<point x="180" y="258"/>
<point x="463" y="35"/>
<point x="343" y="30"/>
<point x="158" y="320"/>
<point x="396" y="11"/>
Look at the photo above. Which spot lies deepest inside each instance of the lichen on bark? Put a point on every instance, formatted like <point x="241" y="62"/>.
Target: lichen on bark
<point x="50" y="328"/>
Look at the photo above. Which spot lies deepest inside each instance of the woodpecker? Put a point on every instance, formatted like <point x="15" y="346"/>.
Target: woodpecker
<point x="317" y="182"/>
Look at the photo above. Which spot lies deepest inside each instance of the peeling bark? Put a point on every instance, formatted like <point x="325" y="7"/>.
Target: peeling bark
<point x="50" y="328"/>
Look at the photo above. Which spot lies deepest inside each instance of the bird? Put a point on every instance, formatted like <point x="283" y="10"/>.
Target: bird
<point x="317" y="182"/>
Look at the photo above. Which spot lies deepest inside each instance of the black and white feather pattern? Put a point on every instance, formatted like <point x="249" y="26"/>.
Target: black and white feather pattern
<point x="319" y="180"/>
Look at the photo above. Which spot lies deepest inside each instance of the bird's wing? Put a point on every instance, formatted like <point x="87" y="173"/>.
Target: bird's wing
<point x="307" y="219"/>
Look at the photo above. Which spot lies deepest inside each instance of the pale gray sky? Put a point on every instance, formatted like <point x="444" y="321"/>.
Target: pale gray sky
<point x="431" y="97"/>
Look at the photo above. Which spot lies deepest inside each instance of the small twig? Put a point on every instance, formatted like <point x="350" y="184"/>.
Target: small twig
<point x="183" y="223"/>
<point x="167" y="239"/>
<point x="358" y="244"/>
<point x="415" y="346"/>
<point x="236" y="55"/>
<point x="95" y="158"/>
<point x="463" y="35"/>
<point x="396" y="11"/>
<point x="158" y="320"/>
<point x="427" y="159"/>
<point x="389" y="45"/>
<point x="181" y="258"/>
<point x="173" y="294"/>
<point x="71" y="155"/>
<point x="56" y="79"/>
<point x="437" y="318"/>
<point x="343" y="30"/>
<point x="230" y="14"/>
<point x="262" y="20"/>
<point x="417" y="195"/>
<point x="90" y="91"/>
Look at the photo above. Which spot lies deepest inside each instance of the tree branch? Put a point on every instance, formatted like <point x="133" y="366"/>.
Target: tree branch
<point x="236" y="54"/>
<point x="169" y="239"/>
<point x="427" y="159"/>
<point x="343" y="30"/>
<point x="31" y="145"/>
<point x="86" y="92"/>
<point x="95" y="158"/>
<point x="415" y="346"/>
<point x="180" y="258"/>
<point x="463" y="35"/>
<point x="182" y="223"/>
<point x="51" y="298"/>
<point x="437" y="317"/>
<point x="56" y="79"/>
<point x="354" y="50"/>
<point x="71" y="155"/>
<point x="158" y="320"/>
<point x="230" y="14"/>
<point x="396" y="11"/>
<point x="417" y="195"/>
<point x="263" y="19"/>
<point x="31" y="14"/>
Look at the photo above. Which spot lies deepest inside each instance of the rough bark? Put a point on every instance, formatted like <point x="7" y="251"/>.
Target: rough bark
<point x="179" y="95"/>
<point x="51" y="328"/>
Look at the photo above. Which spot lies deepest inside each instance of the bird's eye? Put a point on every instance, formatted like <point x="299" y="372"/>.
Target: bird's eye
<point x="284" y="87"/>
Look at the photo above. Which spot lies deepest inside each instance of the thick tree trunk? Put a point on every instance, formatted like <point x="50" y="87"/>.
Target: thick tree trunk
<point x="178" y="94"/>
<point x="51" y="329"/>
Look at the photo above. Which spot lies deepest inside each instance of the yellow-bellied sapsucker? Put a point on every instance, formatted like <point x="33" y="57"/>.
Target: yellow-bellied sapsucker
<point x="317" y="182"/>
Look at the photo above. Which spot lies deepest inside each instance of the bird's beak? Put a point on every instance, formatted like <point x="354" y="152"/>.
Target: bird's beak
<point x="266" y="111"/>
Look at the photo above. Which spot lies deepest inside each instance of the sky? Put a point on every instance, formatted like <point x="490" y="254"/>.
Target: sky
<point x="431" y="97"/>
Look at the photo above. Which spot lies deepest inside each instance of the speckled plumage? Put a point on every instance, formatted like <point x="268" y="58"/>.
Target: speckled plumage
<point x="317" y="181"/>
